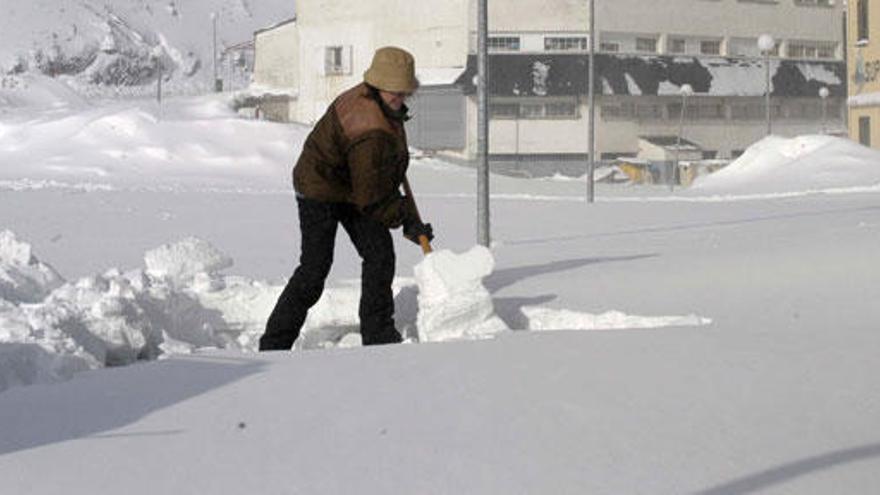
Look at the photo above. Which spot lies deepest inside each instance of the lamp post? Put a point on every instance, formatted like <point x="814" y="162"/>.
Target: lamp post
<point x="483" y="203"/>
<point x="156" y="56"/>
<point x="766" y="43"/>
<point x="685" y="91"/>
<point x="823" y="94"/>
<point x="214" y="51"/>
<point x="591" y="97"/>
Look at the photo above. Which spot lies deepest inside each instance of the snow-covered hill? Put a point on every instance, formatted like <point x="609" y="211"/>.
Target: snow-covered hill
<point x="98" y="44"/>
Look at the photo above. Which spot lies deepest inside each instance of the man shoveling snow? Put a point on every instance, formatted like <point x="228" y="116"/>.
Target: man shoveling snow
<point x="350" y="173"/>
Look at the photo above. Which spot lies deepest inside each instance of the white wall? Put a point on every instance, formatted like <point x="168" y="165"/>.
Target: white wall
<point x="276" y="62"/>
<point x="436" y="35"/>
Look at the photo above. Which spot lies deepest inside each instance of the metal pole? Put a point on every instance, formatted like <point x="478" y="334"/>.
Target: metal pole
<point x="483" y="236"/>
<point x="591" y="97"/>
<point x="159" y="86"/>
<point x="678" y="141"/>
<point x="214" y="52"/>
<point x="767" y="92"/>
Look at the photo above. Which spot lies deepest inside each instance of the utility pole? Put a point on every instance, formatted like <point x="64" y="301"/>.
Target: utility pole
<point x="591" y="98"/>
<point x="156" y="55"/>
<point x="685" y="91"/>
<point x="766" y="43"/>
<point x="214" y="51"/>
<point x="483" y="236"/>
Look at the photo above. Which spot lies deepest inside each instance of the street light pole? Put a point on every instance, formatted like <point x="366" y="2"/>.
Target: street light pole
<point x="685" y="91"/>
<point x="766" y="43"/>
<point x="591" y="98"/>
<point x="823" y="94"/>
<point x="214" y="51"/>
<point x="156" y="55"/>
<point x="483" y="236"/>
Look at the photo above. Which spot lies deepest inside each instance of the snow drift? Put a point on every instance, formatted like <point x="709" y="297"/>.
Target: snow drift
<point x="802" y="164"/>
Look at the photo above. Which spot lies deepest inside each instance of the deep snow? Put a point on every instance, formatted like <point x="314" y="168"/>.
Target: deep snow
<point x="738" y="356"/>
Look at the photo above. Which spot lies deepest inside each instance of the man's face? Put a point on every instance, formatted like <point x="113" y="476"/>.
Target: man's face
<point x="394" y="100"/>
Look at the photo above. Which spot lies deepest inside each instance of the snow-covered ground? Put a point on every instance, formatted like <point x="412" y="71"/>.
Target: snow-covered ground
<point x="739" y="350"/>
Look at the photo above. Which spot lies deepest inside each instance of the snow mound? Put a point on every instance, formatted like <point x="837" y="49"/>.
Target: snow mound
<point x="802" y="164"/>
<point x="190" y="260"/>
<point x="192" y="143"/>
<point x="554" y="319"/>
<point x="23" y="278"/>
<point x="453" y="303"/>
<point x="37" y="92"/>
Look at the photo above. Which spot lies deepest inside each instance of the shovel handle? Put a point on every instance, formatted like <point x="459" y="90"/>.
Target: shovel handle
<point x="423" y="240"/>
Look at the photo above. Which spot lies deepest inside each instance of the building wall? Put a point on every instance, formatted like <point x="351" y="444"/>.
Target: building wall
<point x="735" y="23"/>
<point x="864" y="71"/>
<point x="276" y="59"/>
<point x="726" y="136"/>
<point x="435" y="40"/>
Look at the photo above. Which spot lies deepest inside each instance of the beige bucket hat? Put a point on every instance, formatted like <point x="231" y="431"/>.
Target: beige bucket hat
<point x="393" y="69"/>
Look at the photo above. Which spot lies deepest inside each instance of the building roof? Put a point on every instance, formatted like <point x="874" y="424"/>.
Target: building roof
<point x="527" y="74"/>
<point x="670" y="142"/>
<point x="275" y="26"/>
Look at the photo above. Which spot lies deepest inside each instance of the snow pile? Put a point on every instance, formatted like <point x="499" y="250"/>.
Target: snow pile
<point x="453" y="304"/>
<point x="110" y="319"/>
<point x="23" y="278"/>
<point x="188" y="262"/>
<point x="796" y="165"/>
<point x="554" y="319"/>
<point x="194" y="143"/>
<point x="36" y="92"/>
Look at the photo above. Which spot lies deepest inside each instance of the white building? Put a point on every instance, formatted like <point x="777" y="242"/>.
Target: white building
<point x="538" y="71"/>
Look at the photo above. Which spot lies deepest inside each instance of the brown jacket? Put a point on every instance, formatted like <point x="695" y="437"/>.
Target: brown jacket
<point x="357" y="153"/>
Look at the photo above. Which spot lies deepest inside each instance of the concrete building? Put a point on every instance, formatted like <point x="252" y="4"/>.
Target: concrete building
<point x="864" y="71"/>
<point x="538" y="71"/>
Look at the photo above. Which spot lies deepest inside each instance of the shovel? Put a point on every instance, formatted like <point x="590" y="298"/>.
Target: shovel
<point x="423" y="240"/>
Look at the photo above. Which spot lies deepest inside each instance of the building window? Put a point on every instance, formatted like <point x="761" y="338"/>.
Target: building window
<point x="561" y="109"/>
<point x="710" y="47"/>
<point x="504" y="43"/>
<point x="553" y="43"/>
<point x="504" y="110"/>
<point x="805" y="111"/>
<point x="677" y="45"/>
<point x="646" y="45"/>
<point x="865" y="131"/>
<point x="646" y="111"/>
<point x="814" y="3"/>
<point x="609" y="46"/>
<point x="747" y="111"/>
<point x="811" y="49"/>
<point x="337" y="60"/>
<point x="535" y="110"/>
<point x="862" y="20"/>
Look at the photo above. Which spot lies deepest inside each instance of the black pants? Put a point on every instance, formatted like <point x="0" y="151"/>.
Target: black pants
<point x="318" y="223"/>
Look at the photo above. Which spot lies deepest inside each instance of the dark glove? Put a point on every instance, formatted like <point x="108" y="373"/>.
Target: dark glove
<point x="413" y="229"/>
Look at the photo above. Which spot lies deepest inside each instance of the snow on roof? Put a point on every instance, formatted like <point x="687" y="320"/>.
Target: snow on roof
<point x="805" y="163"/>
<point x="438" y="76"/>
<point x="671" y="142"/>
<point x="275" y="26"/>
<point x="621" y="74"/>
<point x="864" y="100"/>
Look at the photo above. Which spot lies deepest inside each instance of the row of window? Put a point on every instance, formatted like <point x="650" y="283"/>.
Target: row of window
<point x="674" y="45"/>
<point x="568" y="109"/>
